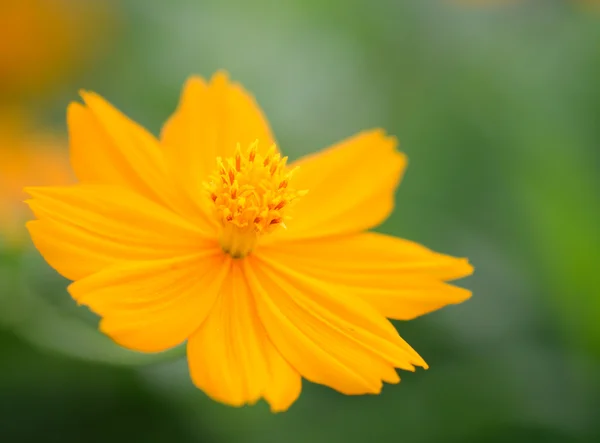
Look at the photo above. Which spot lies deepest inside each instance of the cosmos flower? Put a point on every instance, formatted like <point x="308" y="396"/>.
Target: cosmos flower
<point x="207" y="236"/>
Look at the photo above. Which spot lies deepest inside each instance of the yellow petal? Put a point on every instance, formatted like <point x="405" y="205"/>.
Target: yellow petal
<point x="230" y="356"/>
<point x="94" y="157"/>
<point x="329" y="338"/>
<point x="108" y="148"/>
<point x="210" y="121"/>
<point x="86" y="227"/>
<point x="284" y="383"/>
<point x="400" y="278"/>
<point x="154" y="306"/>
<point x="75" y="252"/>
<point x="226" y="355"/>
<point x="350" y="187"/>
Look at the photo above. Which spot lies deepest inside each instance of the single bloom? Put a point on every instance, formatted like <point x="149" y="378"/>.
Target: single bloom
<point x="207" y="236"/>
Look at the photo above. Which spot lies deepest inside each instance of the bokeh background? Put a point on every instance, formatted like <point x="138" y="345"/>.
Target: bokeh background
<point x="496" y="103"/>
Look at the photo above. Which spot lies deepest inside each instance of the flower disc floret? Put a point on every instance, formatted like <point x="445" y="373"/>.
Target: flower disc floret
<point x="250" y="193"/>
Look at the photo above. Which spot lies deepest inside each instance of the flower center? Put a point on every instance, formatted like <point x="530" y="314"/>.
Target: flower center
<point x="250" y="194"/>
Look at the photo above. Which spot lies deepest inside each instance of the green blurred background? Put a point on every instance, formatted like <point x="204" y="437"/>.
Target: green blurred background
<point x="497" y="105"/>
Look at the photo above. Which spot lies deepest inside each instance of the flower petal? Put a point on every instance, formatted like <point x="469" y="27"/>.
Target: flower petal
<point x="330" y="338"/>
<point x="230" y="356"/>
<point x="153" y="306"/>
<point x="226" y="355"/>
<point x="350" y="187"/>
<point x="110" y="149"/>
<point x="87" y="227"/>
<point x="75" y="252"/>
<point x="402" y="279"/>
<point x="284" y="383"/>
<point x="210" y="121"/>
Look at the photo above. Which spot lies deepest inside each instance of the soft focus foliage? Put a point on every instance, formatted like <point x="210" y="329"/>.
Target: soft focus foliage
<point x="497" y="109"/>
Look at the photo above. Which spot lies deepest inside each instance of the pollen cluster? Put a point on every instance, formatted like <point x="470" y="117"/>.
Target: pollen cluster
<point x="250" y="193"/>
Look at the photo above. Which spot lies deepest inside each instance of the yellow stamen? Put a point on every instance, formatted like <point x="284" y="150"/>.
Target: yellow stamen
<point x="250" y="194"/>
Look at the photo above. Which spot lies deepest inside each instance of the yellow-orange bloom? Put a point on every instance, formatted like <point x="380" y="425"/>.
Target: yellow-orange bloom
<point x="41" y="41"/>
<point x="206" y="235"/>
<point x="27" y="158"/>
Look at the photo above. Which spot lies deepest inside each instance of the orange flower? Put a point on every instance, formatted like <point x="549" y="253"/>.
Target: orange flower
<point x="43" y="40"/>
<point x="208" y="236"/>
<point x="27" y="159"/>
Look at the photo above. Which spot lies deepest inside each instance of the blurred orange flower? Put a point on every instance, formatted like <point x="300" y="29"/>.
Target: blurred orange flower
<point x="41" y="41"/>
<point x="26" y="158"/>
<point x="207" y="236"/>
